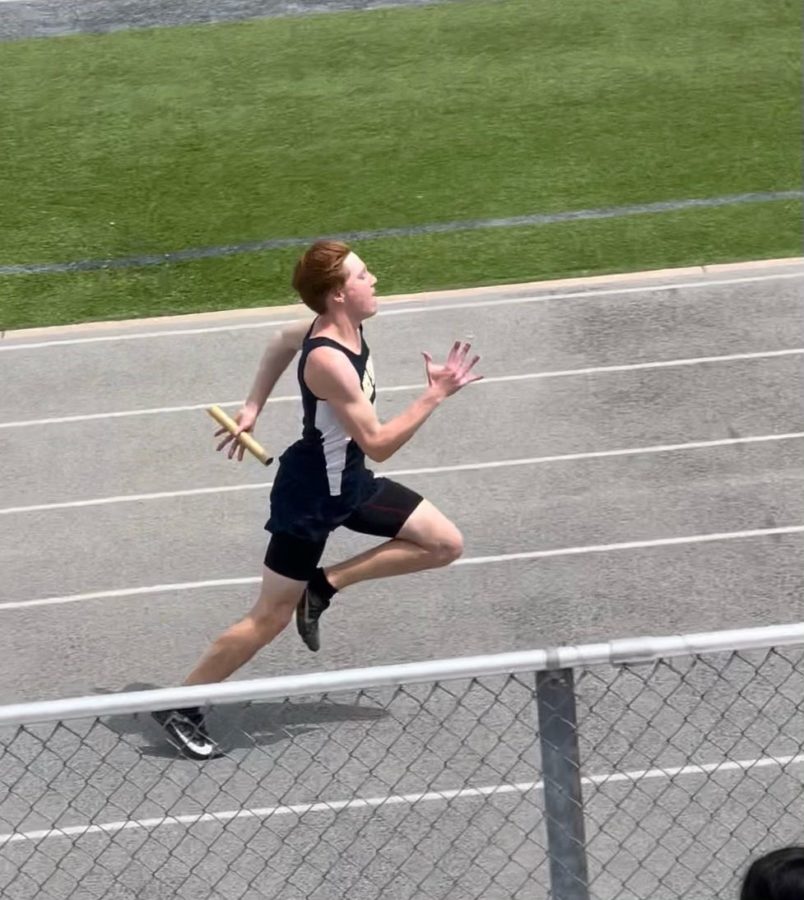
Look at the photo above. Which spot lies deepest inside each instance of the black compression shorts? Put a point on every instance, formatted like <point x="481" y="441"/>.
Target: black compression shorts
<point x="382" y="515"/>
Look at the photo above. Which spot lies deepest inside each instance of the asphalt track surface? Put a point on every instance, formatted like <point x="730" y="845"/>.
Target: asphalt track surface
<point x="631" y="465"/>
<point x="115" y="414"/>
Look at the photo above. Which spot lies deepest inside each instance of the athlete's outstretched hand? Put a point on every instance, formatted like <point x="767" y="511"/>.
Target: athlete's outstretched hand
<point x="455" y="373"/>
<point x="245" y="422"/>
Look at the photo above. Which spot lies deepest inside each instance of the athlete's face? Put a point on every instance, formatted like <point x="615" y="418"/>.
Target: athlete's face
<point x="358" y="292"/>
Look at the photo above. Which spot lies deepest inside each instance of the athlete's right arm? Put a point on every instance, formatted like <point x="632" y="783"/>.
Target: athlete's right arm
<point x="331" y="377"/>
<point x="279" y="353"/>
<point x="283" y="345"/>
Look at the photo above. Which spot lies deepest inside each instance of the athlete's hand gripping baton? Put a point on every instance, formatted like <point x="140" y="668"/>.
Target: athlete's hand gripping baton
<point x="244" y="438"/>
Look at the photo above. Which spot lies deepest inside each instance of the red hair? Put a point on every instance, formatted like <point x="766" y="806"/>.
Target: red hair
<point x="319" y="272"/>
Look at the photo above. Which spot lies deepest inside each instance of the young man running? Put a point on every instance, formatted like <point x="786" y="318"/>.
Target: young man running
<point x="323" y="481"/>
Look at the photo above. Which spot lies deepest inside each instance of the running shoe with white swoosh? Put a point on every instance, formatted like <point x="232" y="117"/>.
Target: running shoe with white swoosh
<point x="187" y="731"/>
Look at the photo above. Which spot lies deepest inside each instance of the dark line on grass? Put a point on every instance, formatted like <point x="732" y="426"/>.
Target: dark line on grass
<point x="613" y="212"/>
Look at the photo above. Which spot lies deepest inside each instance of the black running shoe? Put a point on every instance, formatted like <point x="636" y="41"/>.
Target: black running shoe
<point x="187" y="731"/>
<point x="308" y="612"/>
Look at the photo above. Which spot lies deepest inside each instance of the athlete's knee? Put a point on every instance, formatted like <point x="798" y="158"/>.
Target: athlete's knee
<point x="267" y="622"/>
<point x="447" y="547"/>
<point x="272" y="613"/>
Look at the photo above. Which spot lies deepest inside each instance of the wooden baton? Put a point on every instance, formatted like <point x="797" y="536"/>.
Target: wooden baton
<point x="244" y="438"/>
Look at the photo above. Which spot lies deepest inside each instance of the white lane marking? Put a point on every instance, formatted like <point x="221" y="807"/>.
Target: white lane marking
<point x="427" y="470"/>
<point x="443" y="796"/>
<point x="131" y="592"/>
<point x="476" y="560"/>
<point x="631" y="545"/>
<point x="127" y="413"/>
<point x="410" y="309"/>
<point x="133" y="498"/>
<point x="492" y="379"/>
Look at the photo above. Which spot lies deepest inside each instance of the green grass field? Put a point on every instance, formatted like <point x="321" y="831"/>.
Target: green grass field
<point x="158" y="140"/>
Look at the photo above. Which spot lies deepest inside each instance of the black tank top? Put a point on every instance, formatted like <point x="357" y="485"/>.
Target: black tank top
<point x="330" y="455"/>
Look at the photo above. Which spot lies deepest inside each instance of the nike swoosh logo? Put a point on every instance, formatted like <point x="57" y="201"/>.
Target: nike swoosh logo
<point x="190" y="744"/>
<point x="205" y="749"/>
<point x="200" y="749"/>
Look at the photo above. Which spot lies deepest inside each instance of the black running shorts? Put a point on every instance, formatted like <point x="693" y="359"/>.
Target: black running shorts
<point x="383" y="514"/>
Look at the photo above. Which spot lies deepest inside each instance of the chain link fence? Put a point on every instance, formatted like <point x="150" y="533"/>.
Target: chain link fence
<point x="638" y="769"/>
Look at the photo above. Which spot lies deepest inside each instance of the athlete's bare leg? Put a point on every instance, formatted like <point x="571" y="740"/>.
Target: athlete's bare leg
<point x="427" y="540"/>
<point x="186" y="727"/>
<point x="266" y="619"/>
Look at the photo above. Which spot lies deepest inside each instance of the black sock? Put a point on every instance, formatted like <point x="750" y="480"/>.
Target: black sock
<point x="321" y="587"/>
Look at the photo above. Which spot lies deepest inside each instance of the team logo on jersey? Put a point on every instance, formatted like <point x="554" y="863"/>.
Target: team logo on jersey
<point x="368" y="379"/>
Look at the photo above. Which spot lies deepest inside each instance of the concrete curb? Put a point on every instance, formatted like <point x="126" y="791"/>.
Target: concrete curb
<point x="297" y="310"/>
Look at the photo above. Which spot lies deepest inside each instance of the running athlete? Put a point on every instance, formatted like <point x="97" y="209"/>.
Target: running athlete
<point x="323" y="481"/>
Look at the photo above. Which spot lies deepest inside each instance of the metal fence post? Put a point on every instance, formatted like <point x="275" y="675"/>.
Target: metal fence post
<point x="563" y="799"/>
